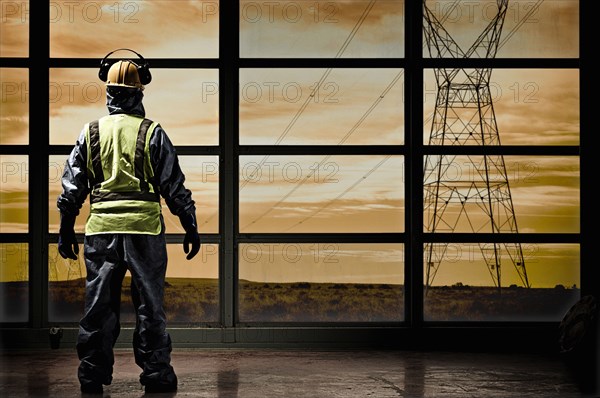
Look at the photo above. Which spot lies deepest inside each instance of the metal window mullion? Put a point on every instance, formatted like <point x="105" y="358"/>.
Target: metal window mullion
<point x="321" y="237"/>
<point x="413" y="119"/>
<point x="283" y="150"/>
<point x="501" y="63"/>
<point x="228" y="161"/>
<point x="319" y="62"/>
<point x="39" y="54"/>
<point x="506" y="150"/>
<point x="491" y="237"/>
<point x="498" y="63"/>
<point x="590" y="283"/>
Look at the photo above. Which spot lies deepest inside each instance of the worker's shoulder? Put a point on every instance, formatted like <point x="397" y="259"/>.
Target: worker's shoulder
<point x="124" y="117"/>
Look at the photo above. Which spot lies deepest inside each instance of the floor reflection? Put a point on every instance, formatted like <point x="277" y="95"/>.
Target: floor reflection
<point x="228" y="383"/>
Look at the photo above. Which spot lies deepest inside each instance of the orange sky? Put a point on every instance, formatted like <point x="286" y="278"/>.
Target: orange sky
<point x="547" y="28"/>
<point x="365" y="193"/>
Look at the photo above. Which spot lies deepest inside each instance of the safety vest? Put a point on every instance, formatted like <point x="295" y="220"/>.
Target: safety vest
<point x="118" y="163"/>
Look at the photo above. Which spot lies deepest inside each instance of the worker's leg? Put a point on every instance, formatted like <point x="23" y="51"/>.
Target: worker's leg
<point x="146" y="257"/>
<point x="99" y="327"/>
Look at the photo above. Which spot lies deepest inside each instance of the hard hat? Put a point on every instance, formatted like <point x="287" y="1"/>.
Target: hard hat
<point x="124" y="74"/>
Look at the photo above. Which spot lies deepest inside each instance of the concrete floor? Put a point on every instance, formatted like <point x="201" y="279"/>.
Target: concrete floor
<point x="265" y="373"/>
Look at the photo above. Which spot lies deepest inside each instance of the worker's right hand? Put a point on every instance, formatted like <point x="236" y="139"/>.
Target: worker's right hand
<point x="188" y="222"/>
<point x="67" y="241"/>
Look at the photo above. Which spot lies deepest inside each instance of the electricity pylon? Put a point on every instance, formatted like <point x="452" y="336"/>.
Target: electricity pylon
<point x="468" y="193"/>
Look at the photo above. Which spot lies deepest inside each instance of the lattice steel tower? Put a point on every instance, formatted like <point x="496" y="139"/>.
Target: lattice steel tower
<point x="468" y="193"/>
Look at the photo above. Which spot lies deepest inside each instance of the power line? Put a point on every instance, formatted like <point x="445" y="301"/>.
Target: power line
<point x="320" y="82"/>
<point x="340" y="52"/>
<point x="520" y="23"/>
<point x="350" y="188"/>
<point x="355" y="29"/>
<point x="290" y="124"/>
<point x="316" y="89"/>
<point x="377" y="101"/>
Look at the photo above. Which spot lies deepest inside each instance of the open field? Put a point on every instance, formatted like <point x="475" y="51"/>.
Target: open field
<point x="186" y="300"/>
<point x="196" y="301"/>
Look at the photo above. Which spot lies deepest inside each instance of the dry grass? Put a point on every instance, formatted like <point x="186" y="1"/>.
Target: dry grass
<point x="197" y="301"/>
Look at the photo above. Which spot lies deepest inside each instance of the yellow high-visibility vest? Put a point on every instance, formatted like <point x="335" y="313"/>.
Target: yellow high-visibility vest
<point x="122" y="198"/>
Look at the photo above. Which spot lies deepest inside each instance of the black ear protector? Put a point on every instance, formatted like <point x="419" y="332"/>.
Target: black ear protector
<point x="143" y="68"/>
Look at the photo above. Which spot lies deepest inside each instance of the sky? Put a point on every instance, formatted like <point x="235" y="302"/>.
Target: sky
<point x="307" y="106"/>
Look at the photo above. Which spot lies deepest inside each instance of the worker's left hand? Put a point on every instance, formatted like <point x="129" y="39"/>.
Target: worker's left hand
<point x="67" y="241"/>
<point x="188" y="222"/>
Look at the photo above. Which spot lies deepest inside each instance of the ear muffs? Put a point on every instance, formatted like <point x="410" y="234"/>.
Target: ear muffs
<point x="142" y="67"/>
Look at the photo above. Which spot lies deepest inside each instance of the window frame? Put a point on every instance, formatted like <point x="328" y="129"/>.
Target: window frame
<point x="229" y="150"/>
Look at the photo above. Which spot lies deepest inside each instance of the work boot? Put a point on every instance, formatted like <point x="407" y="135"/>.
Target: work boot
<point x="91" y="388"/>
<point x="156" y="388"/>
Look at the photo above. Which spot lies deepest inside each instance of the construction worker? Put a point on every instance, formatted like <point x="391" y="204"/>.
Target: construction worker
<point x="126" y="163"/>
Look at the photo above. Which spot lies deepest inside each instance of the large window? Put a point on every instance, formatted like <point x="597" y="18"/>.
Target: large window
<point x="354" y="163"/>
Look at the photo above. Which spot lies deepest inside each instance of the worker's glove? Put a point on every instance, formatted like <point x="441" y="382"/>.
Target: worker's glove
<point x="67" y="242"/>
<point x="188" y="222"/>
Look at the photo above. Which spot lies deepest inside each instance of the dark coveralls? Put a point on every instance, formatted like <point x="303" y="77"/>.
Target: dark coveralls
<point x="109" y="256"/>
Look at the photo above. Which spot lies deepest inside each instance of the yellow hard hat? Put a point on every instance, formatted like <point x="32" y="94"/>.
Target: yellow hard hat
<point x="124" y="74"/>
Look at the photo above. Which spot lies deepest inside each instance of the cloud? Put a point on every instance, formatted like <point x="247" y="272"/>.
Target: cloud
<point x="325" y="263"/>
<point x="14" y="109"/>
<point x="347" y="108"/>
<point x="321" y="29"/>
<point x="179" y="28"/>
<point x="174" y="99"/>
<point x="14" y="28"/>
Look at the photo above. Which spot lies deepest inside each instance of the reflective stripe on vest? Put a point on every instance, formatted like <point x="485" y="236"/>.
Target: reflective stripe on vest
<point x="122" y="200"/>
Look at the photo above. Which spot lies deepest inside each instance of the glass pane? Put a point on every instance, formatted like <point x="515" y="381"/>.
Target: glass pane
<point x="14" y="112"/>
<point x="321" y="193"/>
<point x="521" y="107"/>
<point x="202" y="178"/>
<point x="66" y="286"/>
<point x="185" y="103"/>
<point x="14" y="28"/>
<point x="14" y="193"/>
<point x="321" y="282"/>
<point x="191" y="288"/>
<point x="519" y="193"/>
<point x="321" y="106"/>
<point x="14" y="282"/>
<point x="158" y="28"/>
<point x="532" y="29"/>
<point x="327" y="29"/>
<point x="538" y="282"/>
<point x="56" y="167"/>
